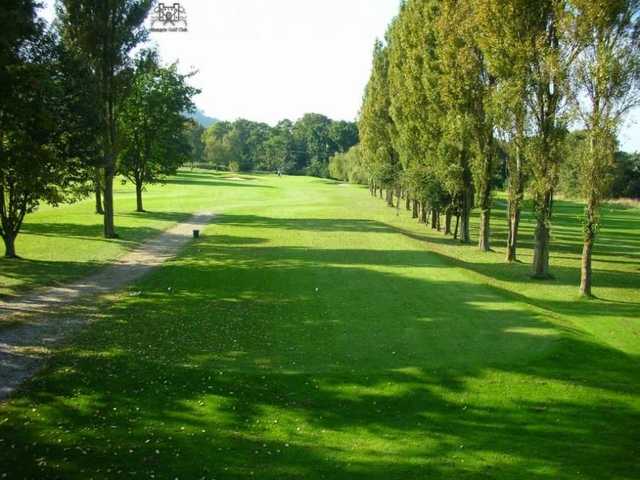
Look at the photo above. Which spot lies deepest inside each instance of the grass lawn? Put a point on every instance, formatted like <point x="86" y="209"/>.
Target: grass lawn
<point x="313" y="333"/>
<point x="59" y="244"/>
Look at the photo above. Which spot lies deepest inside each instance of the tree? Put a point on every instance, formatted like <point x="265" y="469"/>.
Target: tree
<point x="152" y="123"/>
<point x="626" y="176"/>
<point x="44" y="122"/>
<point x="375" y="126"/>
<point x="502" y="31"/>
<point x="195" y="132"/>
<point x="548" y="87"/>
<point x="279" y="149"/>
<point x="106" y="31"/>
<point x="315" y="136"/>
<point x="469" y="90"/>
<point x="349" y="166"/>
<point x="215" y="152"/>
<point x="459" y="128"/>
<point x="607" y="74"/>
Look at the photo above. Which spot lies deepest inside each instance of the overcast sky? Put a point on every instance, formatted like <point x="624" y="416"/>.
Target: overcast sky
<point x="266" y="60"/>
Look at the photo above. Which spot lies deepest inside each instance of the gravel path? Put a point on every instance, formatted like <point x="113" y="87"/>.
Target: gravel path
<point x="25" y="347"/>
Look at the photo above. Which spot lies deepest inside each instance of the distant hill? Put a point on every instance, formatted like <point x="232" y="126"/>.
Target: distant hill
<point x="200" y="117"/>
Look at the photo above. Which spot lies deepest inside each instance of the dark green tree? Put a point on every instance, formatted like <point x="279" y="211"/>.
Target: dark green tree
<point x="152" y="124"/>
<point x="45" y="123"/>
<point x="105" y="32"/>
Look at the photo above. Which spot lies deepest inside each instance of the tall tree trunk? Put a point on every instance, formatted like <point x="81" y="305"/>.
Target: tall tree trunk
<point x="423" y="213"/>
<point x="447" y="221"/>
<point x="139" y="206"/>
<point x="414" y="212"/>
<point x="9" y="245"/>
<point x="407" y="202"/>
<point x="483" y="241"/>
<point x="542" y="236"/>
<point x="465" y="213"/>
<point x="512" y="234"/>
<point x="380" y="189"/>
<point x="587" y="248"/>
<point x="390" y="197"/>
<point x="98" y="192"/>
<point x="457" y="227"/>
<point x="434" y="218"/>
<point x="484" y="190"/>
<point x="109" y="227"/>
<point x="515" y="192"/>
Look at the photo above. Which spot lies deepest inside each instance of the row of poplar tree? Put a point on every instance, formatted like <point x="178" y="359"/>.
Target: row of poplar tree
<point x="77" y="108"/>
<point x="456" y="84"/>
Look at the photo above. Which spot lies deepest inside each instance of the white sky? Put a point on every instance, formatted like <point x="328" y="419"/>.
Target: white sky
<point x="266" y="60"/>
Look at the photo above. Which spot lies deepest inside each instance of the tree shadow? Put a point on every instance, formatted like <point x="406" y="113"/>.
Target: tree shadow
<point x="280" y="363"/>
<point x="304" y="224"/>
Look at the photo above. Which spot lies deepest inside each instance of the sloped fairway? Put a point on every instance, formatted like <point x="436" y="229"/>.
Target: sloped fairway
<point x="317" y="335"/>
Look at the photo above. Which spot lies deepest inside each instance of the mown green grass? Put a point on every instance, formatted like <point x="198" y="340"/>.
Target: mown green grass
<point x="313" y="333"/>
<point x="59" y="244"/>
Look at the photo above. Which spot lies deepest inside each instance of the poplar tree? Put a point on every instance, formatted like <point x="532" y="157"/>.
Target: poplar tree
<point x="415" y="106"/>
<point x="375" y="125"/>
<point x="607" y="74"/>
<point x="457" y="121"/>
<point x="502" y="31"/>
<point x="552" y="56"/>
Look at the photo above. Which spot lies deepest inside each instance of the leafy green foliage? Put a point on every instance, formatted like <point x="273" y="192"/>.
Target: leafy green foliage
<point x="47" y="126"/>
<point x="103" y="33"/>
<point x="152" y="123"/>
<point x="349" y="166"/>
<point x="301" y="147"/>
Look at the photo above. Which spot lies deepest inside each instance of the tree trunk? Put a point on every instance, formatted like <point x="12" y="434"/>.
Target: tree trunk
<point x="465" y="211"/>
<point x="457" y="228"/>
<point x="389" y="197"/>
<point x="109" y="228"/>
<point x="483" y="241"/>
<point x="423" y="213"/>
<point x="515" y="193"/>
<point x="414" y="212"/>
<point x="541" y="249"/>
<point x="587" y="249"/>
<point x="585" y="270"/>
<point x="512" y="234"/>
<point x="447" y="221"/>
<point x="139" y="206"/>
<point x="9" y="245"/>
<point x="98" y="193"/>
<point x="434" y="218"/>
<point x="380" y="189"/>
<point x="407" y="202"/>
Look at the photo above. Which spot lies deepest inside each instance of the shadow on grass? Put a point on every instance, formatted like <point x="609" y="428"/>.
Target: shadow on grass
<point x="283" y="363"/>
<point x="31" y="273"/>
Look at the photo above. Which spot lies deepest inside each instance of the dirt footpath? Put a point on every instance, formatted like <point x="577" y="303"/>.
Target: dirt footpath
<point x="24" y="348"/>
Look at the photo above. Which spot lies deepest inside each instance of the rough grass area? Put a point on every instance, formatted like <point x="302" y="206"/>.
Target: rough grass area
<point x="313" y="333"/>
